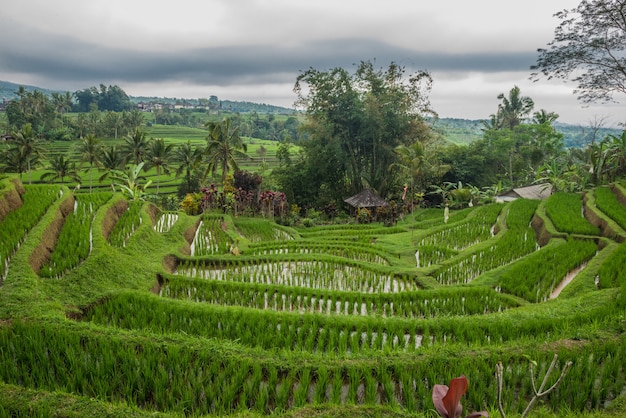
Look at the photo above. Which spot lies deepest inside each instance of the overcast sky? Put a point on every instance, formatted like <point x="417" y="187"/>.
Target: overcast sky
<point x="253" y="50"/>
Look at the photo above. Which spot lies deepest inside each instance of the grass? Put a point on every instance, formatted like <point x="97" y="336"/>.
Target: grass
<point x="122" y="335"/>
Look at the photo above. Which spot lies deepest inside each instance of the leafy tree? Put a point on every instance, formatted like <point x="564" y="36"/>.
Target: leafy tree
<point x="90" y="150"/>
<point x="247" y="181"/>
<point x="224" y="146"/>
<point x="34" y="108"/>
<point x="159" y="155"/>
<point x="111" y="98"/>
<point x="60" y="168"/>
<point x="516" y="144"/>
<point x="589" y="46"/>
<point x="355" y="122"/>
<point x="420" y="164"/>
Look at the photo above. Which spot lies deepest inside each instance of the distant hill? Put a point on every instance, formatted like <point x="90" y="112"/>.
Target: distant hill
<point x="457" y="131"/>
<point x="465" y="131"/>
<point x="7" y="90"/>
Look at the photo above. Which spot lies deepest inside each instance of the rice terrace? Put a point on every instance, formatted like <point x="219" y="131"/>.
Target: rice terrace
<point x="163" y="319"/>
<point x="354" y="255"/>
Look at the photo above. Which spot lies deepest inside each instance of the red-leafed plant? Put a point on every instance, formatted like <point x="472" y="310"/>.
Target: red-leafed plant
<point x="447" y="400"/>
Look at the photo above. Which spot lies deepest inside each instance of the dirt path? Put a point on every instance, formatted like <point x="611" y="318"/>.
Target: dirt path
<point x="567" y="280"/>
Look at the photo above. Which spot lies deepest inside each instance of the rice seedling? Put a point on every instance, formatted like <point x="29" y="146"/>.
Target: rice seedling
<point x="126" y="225"/>
<point x="607" y="202"/>
<point x="566" y="213"/>
<point x="165" y="222"/>
<point x="75" y="240"/>
<point x="13" y="228"/>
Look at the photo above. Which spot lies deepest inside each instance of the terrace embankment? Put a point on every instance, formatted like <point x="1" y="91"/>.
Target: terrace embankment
<point x="539" y="226"/>
<point x="113" y="214"/>
<point x="153" y="212"/>
<point x="41" y="254"/>
<point x="169" y="263"/>
<point x="11" y="199"/>
<point x="158" y="284"/>
<point x="620" y="193"/>
<point x="189" y="235"/>
<point x="596" y="220"/>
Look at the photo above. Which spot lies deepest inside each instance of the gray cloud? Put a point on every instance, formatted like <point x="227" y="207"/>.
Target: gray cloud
<point x="66" y="60"/>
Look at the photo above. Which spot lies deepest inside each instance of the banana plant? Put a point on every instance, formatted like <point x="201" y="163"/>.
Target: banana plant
<point x="129" y="182"/>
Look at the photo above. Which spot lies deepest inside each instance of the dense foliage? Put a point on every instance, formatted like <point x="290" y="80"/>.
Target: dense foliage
<point x="354" y="122"/>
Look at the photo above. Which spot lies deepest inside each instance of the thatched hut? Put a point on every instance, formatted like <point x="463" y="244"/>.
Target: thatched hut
<point x="366" y="198"/>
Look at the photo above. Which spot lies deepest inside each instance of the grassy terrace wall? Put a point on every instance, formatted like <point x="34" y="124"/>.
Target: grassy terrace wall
<point x="213" y="315"/>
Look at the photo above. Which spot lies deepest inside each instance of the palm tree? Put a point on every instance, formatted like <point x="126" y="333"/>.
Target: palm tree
<point x="133" y="119"/>
<point x="90" y="150"/>
<point x="60" y="168"/>
<point x="114" y="121"/>
<point x="188" y="159"/>
<point x="62" y="102"/>
<point x="135" y="146"/>
<point x="419" y="162"/>
<point x="224" y="146"/>
<point x="28" y="147"/>
<point x="82" y="124"/>
<point x="14" y="161"/>
<point x="112" y="159"/>
<point x="513" y="109"/>
<point x="543" y="116"/>
<point x="159" y="156"/>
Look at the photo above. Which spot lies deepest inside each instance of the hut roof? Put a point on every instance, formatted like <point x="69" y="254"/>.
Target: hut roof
<point x="366" y="198"/>
<point x="536" y="191"/>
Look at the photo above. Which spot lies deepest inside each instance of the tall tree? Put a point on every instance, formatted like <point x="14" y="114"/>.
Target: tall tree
<point x="589" y="46"/>
<point x="90" y="150"/>
<point x="355" y="122"/>
<point x="224" y="147"/>
<point x="159" y="155"/>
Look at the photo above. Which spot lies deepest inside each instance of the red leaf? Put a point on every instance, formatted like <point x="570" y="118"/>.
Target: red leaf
<point x="452" y="400"/>
<point x="439" y="391"/>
